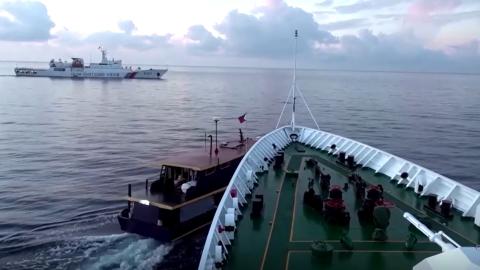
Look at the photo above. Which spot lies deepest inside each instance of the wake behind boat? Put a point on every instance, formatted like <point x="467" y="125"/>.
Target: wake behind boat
<point x="106" y="69"/>
<point x="304" y="198"/>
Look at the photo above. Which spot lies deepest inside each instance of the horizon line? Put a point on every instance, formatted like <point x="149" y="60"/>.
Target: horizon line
<point x="278" y="68"/>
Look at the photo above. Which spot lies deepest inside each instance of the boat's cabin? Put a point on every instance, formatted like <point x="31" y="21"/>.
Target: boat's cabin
<point x="184" y="193"/>
<point x="193" y="174"/>
<point x="189" y="176"/>
<point x="59" y="64"/>
<point x="77" y="63"/>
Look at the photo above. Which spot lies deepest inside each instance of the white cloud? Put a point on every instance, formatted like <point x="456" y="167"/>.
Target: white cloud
<point x="200" y="40"/>
<point x="127" y="26"/>
<point x="364" y="5"/>
<point x="24" y="21"/>
<point x="346" y="24"/>
<point x="269" y="32"/>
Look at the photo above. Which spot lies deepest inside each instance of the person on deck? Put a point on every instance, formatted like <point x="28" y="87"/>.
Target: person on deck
<point x="178" y="181"/>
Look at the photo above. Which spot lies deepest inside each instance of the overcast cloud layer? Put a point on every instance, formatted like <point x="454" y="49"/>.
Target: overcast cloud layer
<point x="25" y="21"/>
<point x="263" y="37"/>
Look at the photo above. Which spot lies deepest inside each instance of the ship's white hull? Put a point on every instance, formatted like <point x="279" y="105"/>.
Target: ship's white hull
<point x="90" y="73"/>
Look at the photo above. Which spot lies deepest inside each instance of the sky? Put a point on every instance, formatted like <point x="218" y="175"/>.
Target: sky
<point x="399" y="35"/>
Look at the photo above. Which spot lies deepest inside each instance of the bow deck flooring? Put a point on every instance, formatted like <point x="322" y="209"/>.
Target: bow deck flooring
<point x="281" y="238"/>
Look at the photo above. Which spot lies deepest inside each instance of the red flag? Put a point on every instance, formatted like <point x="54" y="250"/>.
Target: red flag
<point x="242" y="119"/>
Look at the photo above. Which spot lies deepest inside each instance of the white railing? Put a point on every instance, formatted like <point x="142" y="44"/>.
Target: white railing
<point x="463" y="198"/>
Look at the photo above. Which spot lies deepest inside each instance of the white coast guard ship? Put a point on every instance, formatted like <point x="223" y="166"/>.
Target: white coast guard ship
<point x="106" y="69"/>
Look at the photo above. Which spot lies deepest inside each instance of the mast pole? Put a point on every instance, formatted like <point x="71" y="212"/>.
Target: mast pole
<point x="216" y="135"/>
<point x="294" y="83"/>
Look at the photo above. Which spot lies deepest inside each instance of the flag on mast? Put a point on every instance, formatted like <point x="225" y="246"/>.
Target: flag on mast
<point x="241" y="118"/>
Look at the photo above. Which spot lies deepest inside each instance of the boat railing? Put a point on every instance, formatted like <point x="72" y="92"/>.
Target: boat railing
<point x="136" y="188"/>
<point x="405" y="173"/>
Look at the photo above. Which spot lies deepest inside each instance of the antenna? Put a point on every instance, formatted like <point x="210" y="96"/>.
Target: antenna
<point x="295" y="57"/>
<point x="294" y="83"/>
<point x="293" y="90"/>
<point x="216" y="119"/>
<point x="104" y="54"/>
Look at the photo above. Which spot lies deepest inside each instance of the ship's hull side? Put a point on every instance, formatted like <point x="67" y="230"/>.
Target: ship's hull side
<point x="90" y="73"/>
<point x="146" y="74"/>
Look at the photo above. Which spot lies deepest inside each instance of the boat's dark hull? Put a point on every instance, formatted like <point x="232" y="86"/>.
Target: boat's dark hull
<point x="163" y="233"/>
<point x="160" y="233"/>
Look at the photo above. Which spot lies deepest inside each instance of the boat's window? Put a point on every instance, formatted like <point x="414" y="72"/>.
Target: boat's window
<point x="163" y="171"/>
<point x="169" y="172"/>
<point x="180" y="175"/>
<point x="192" y="175"/>
<point x="186" y="173"/>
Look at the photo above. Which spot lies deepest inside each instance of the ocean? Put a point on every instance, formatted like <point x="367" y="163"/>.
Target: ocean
<point x="68" y="148"/>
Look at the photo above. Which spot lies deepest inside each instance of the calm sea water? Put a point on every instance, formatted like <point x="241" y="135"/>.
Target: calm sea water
<point x="68" y="148"/>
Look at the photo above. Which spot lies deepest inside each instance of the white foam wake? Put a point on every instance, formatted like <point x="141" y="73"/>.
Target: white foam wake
<point x="139" y="254"/>
<point x="117" y="251"/>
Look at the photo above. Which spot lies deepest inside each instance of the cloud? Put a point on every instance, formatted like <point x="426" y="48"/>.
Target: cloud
<point x="113" y="40"/>
<point x="198" y="40"/>
<point x="394" y="49"/>
<point x="127" y="26"/>
<point x="423" y="8"/>
<point x="24" y="21"/>
<point x="346" y="24"/>
<point x="325" y="3"/>
<point x="390" y="16"/>
<point x="367" y="5"/>
<point x="439" y="12"/>
<point x="455" y="17"/>
<point x="324" y="12"/>
<point x="126" y="39"/>
<point x="466" y="50"/>
<point x="399" y="51"/>
<point x="429" y="25"/>
<point x="268" y="33"/>
<point x="201" y="40"/>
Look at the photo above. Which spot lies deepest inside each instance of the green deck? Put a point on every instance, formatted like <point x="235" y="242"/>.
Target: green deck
<point x="282" y="237"/>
